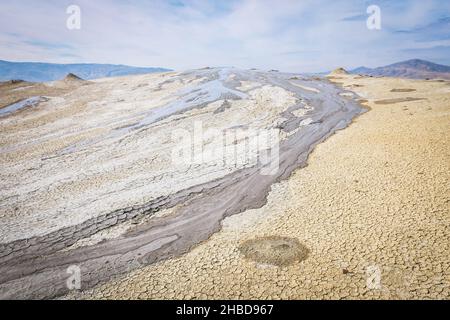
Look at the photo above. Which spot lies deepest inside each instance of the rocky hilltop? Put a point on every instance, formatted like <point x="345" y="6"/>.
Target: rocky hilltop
<point x="414" y="69"/>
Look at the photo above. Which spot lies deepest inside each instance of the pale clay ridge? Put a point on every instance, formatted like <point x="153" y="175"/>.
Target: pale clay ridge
<point x="55" y="185"/>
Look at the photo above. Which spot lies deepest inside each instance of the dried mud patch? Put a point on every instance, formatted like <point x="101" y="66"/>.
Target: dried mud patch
<point x="274" y="250"/>
<point x="397" y="100"/>
<point x="403" y="90"/>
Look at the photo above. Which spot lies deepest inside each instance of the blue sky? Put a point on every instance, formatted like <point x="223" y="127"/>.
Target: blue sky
<point x="296" y="36"/>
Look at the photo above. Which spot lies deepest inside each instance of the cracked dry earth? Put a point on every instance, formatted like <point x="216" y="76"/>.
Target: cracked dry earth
<point x="88" y="176"/>
<point x="373" y="203"/>
<point x="368" y="217"/>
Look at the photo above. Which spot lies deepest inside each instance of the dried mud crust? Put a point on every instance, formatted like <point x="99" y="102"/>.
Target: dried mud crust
<point x="124" y="171"/>
<point x="373" y="197"/>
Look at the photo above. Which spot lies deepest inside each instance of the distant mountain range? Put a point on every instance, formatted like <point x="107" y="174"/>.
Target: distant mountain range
<point x="413" y="69"/>
<point x="42" y="72"/>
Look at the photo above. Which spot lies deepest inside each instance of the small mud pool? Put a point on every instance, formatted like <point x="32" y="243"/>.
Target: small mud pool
<point x="275" y="250"/>
<point x="30" y="102"/>
<point x="392" y="101"/>
<point x="403" y="90"/>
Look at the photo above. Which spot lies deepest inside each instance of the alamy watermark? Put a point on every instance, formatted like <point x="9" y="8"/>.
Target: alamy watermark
<point x="74" y="20"/>
<point x="373" y="280"/>
<point x="227" y="148"/>
<point x="73" y="282"/>
<point x="373" y="22"/>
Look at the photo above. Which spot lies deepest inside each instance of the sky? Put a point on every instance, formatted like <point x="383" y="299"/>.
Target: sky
<point x="288" y="35"/>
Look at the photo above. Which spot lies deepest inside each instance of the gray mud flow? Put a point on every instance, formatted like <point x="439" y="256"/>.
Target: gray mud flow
<point x="39" y="269"/>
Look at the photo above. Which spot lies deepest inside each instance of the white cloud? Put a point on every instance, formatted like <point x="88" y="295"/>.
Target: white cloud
<point x="288" y="35"/>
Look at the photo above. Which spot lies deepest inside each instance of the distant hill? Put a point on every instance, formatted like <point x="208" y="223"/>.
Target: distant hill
<point x="413" y="69"/>
<point x="361" y="70"/>
<point x="338" y="71"/>
<point x="42" y="72"/>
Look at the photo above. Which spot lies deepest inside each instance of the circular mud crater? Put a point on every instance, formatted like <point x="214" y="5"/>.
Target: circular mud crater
<point x="274" y="250"/>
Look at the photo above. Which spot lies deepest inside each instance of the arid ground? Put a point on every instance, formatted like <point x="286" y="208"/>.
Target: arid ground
<point x="375" y="196"/>
<point x="358" y="207"/>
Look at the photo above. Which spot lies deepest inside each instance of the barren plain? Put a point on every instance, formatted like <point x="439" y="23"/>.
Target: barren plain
<point x="88" y="179"/>
<point x="373" y="198"/>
